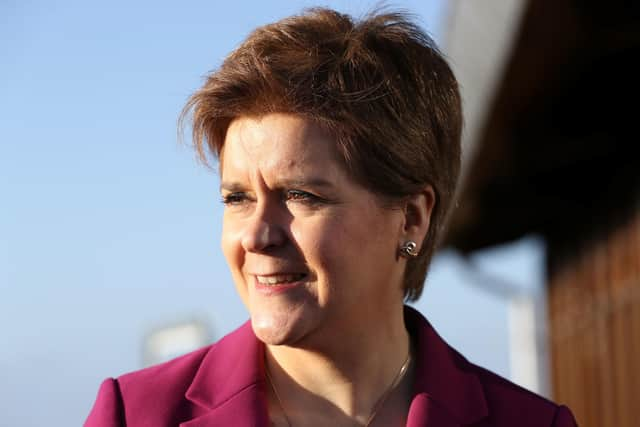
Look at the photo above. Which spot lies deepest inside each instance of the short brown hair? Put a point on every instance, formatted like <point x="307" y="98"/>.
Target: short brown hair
<point x="379" y="85"/>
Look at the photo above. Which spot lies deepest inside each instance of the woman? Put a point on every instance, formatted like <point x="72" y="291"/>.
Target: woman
<point x="339" y="149"/>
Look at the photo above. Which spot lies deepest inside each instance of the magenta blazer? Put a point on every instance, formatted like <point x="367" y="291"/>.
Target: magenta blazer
<point x="224" y="385"/>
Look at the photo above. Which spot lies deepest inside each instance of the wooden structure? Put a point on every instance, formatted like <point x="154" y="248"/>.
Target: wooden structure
<point x="558" y="155"/>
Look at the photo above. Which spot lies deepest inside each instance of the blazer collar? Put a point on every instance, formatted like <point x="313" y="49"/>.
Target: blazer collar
<point x="446" y="391"/>
<point x="229" y="386"/>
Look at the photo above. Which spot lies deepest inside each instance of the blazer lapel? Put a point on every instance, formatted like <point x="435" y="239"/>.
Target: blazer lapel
<point x="229" y="388"/>
<point x="426" y="412"/>
<point x="245" y="409"/>
<point x="446" y="393"/>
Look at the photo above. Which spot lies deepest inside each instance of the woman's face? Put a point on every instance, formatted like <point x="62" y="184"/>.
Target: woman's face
<point x="313" y="254"/>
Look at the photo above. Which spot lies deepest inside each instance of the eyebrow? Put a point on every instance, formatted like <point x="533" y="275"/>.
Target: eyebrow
<point x="231" y="186"/>
<point x="285" y="183"/>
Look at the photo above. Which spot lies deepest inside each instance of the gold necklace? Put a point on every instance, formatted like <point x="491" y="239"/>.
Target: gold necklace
<point x="275" y="391"/>
<point x="379" y="404"/>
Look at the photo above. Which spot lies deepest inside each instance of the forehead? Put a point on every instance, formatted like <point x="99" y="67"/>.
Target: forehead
<point x="280" y="143"/>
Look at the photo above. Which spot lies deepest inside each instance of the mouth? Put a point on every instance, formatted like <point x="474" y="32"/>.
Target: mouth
<point x="280" y="279"/>
<point x="279" y="284"/>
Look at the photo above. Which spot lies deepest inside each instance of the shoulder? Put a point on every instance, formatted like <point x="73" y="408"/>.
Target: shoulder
<point x="509" y="404"/>
<point x="172" y="378"/>
<point x="122" y="400"/>
<point x="158" y="395"/>
<point x="473" y="395"/>
<point x="165" y="379"/>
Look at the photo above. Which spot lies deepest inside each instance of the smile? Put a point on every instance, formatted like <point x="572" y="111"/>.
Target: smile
<point x="279" y="279"/>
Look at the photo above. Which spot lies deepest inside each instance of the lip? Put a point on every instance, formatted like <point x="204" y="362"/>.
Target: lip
<point x="277" y="289"/>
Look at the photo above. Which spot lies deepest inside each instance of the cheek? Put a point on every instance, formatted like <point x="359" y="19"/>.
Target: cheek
<point x="234" y="256"/>
<point x="318" y="240"/>
<point x="362" y="244"/>
<point x="330" y="245"/>
<point x="231" y="245"/>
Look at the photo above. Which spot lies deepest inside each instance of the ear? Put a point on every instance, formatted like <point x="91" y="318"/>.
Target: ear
<point x="418" y="209"/>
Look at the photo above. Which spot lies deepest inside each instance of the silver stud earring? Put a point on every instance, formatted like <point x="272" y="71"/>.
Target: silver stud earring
<point x="409" y="249"/>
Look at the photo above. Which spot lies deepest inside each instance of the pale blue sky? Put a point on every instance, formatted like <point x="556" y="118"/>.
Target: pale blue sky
<point x="108" y="228"/>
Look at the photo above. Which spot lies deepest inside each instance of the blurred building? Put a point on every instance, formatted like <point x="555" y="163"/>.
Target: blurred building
<point x="172" y="340"/>
<point x="551" y="92"/>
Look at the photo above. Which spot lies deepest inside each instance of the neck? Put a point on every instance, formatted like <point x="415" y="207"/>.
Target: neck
<point x="348" y="376"/>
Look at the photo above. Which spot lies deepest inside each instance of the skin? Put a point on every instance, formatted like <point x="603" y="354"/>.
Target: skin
<point x="333" y="322"/>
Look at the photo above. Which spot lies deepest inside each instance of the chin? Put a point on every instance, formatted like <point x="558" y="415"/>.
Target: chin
<point x="278" y="328"/>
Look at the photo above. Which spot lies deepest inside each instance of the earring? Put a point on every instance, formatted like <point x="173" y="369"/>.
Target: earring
<point x="409" y="249"/>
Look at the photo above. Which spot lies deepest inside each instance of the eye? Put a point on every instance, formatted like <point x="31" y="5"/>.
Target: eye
<point x="303" y="197"/>
<point x="233" y="199"/>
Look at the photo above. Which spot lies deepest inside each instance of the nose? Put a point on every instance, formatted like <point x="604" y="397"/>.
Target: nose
<point x="263" y="231"/>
